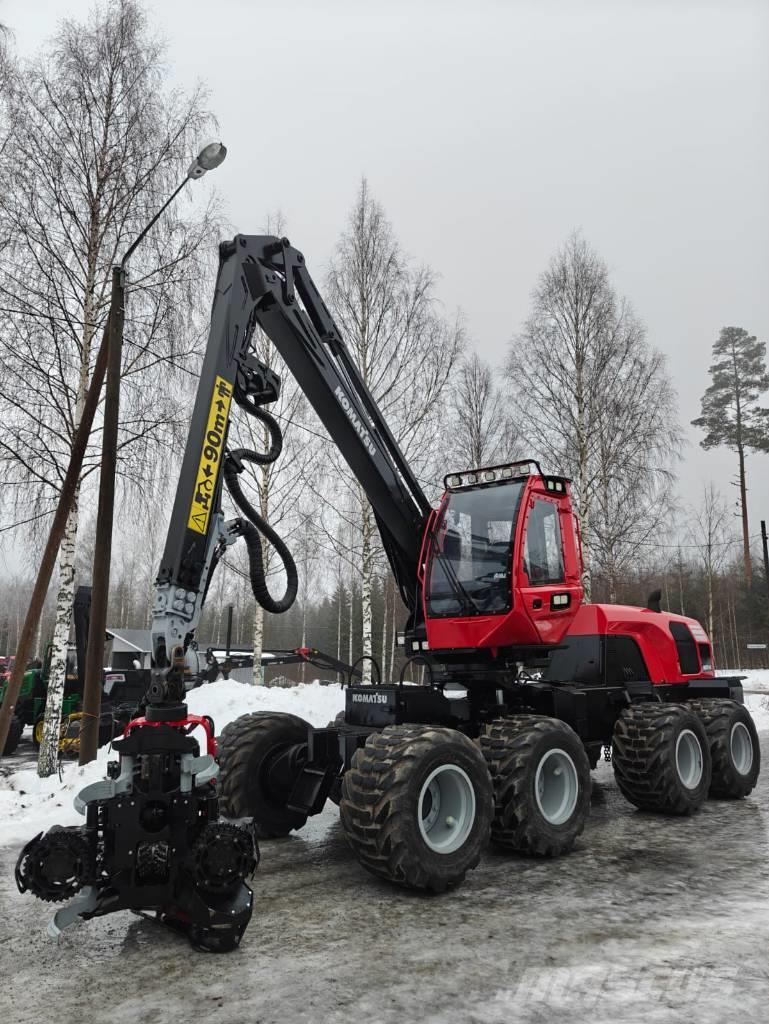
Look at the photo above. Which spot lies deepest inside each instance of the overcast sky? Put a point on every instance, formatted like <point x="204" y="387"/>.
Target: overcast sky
<point x="489" y="130"/>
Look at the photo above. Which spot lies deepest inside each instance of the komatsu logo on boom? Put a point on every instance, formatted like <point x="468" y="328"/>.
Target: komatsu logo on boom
<point x="353" y="417"/>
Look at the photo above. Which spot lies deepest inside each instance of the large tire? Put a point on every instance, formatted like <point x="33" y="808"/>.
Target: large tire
<point x="734" y="747"/>
<point x="15" y="729"/>
<point x="661" y="758"/>
<point x="416" y="806"/>
<point x="247" y="749"/>
<point x="541" y="778"/>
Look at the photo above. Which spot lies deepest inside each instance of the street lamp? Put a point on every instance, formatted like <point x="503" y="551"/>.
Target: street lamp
<point x="207" y="159"/>
<point x="210" y="157"/>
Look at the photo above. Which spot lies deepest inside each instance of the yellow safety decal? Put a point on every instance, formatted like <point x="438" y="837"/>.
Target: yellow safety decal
<point x="210" y="457"/>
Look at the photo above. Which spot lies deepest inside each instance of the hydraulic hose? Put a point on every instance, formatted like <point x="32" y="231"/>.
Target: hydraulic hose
<point x="254" y="524"/>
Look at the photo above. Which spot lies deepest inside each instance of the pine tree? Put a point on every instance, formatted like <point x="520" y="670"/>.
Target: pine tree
<point x="731" y="414"/>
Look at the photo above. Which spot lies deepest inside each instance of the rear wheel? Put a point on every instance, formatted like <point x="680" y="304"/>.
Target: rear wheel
<point x="541" y="777"/>
<point x="661" y="758"/>
<point x="416" y="806"/>
<point x="734" y="746"/>
<point x="260" y="758"/>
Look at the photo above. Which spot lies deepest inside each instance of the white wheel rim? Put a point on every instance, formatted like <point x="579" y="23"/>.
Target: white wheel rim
<point x="742" y="748"/>
<point x="446" y="808"/>
<point x="556" y="787"/>
<point x="689" y="759"/>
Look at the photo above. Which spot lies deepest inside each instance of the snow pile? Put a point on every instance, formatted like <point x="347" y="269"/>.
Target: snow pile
<point x="227" y="699"/>
<point x="29" y="804"/>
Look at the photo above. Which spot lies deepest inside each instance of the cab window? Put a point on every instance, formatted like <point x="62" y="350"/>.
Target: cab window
<point x="543" y="551"/>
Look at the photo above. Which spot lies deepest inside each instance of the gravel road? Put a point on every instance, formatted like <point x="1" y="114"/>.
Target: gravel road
<point x="649" y="920"/>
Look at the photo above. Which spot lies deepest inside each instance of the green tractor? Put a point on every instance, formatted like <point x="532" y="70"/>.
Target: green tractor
<point x="30" y="706"/>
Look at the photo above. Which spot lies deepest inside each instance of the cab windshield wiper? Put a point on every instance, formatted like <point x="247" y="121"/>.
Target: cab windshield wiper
<point x="460" y="592"/>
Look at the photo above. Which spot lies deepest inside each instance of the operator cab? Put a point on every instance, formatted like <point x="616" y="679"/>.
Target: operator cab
<point x="503" y="566"/>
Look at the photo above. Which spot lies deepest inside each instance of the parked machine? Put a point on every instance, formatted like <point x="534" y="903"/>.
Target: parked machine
<point x="525" y="684"/>
<point x="30" y="705"/>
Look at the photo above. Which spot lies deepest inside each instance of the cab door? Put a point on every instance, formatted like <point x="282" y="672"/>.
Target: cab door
<point x="549" y="588"/>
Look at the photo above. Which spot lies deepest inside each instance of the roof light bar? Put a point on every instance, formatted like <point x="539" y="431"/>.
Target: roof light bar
<point x="491" y="474"/>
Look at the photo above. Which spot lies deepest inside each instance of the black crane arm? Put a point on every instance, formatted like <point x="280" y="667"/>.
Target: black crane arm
<point x="263" y="281"/>
<point x="290" y="310"/>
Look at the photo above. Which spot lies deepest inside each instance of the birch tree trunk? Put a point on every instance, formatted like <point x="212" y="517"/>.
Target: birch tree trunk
<point x="352" y="623"/>
<point x="264" y="511"/>
<point x="48" y="756"/>
<point x="393" y="634"/>
<point x="304" y="640"/>
<point x="339" y="624"/>
<point x="367" y="578"/>
<point x="258" y="645"/>
<point x="384" y="628"/>
<point x="38" y="646"/>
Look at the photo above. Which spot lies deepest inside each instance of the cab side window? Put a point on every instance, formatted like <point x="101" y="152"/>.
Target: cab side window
<point x="543" y="551"/>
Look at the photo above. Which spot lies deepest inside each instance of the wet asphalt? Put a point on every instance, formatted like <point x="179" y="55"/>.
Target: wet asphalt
<point x="649" y="920"/>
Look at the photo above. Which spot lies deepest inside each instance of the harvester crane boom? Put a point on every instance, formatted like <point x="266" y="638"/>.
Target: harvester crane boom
<point x="263" y="282"/>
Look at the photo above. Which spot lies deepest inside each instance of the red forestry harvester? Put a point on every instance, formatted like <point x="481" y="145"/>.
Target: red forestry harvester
<point x="525" y="684"/>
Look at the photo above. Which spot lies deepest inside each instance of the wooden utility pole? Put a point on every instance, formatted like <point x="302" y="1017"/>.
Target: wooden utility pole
<point x="766" y="554"/>
<point x="94" y="661"/>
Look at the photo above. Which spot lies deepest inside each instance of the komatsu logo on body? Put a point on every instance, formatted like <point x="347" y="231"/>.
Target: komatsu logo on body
<point x="369" y="698"/>
<point x="353" y="417"/>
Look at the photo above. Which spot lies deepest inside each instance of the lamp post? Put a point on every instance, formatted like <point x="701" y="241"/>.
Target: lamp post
<point x="210" y="157"/>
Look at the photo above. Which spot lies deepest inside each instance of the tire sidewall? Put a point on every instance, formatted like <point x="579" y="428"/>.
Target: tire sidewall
<point x="469" y="759"/>
<point x="731" y="782"/>
<point x="567" y="831"/>
<point x="696" y="796"/>
<point x="271" y="816"/>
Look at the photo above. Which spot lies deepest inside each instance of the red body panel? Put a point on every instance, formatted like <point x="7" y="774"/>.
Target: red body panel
<point x="650" y="630"/>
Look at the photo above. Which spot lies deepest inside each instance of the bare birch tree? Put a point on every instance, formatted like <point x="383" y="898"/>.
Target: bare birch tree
<point x="713" y="537"/>
<point x="405" y="351"/>
<point x="482" y="428"/>
<point x="638" y="442"/>
<point x="98" y="141"/>
<point x="594" y="401"/>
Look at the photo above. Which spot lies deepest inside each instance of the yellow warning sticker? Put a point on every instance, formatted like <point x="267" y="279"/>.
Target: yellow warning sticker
<point x="210" y="457"/>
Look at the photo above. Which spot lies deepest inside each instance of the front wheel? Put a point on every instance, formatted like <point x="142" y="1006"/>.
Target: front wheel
<point x="416" y="806"/>
<point x="260" y="758"/>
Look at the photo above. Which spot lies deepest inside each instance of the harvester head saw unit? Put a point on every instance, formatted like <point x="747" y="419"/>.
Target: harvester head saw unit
<point x="152" y="840"/>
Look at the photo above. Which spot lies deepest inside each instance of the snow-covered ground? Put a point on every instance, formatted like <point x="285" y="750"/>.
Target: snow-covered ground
<point x="29" y="804"/>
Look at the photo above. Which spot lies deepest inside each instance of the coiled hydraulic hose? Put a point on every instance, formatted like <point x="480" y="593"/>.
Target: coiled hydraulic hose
<point x="253" y="524"/>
